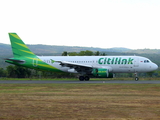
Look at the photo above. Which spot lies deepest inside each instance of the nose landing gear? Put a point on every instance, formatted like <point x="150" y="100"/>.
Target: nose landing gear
<point x="136" y="77"/>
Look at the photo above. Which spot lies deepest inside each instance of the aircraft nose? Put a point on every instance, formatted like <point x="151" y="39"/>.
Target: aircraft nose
<point x="155" y="66"/>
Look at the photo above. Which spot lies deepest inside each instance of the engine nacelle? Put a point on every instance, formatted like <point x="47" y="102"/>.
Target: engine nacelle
<point x="102" y="73"/>
<point x="72" y="70"/>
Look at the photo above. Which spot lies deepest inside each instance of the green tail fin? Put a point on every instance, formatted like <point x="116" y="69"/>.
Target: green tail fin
<point x="24" y="57"/>
<point x="19" y="48"/>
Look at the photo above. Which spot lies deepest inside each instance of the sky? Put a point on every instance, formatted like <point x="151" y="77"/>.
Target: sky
<point x="131" y="24"/>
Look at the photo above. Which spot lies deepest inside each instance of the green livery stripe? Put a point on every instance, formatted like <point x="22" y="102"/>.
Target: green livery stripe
<point x="42" y="64"/>
<point x="15" y="35"/>
<point x="46" y="66"/>
<point x="22" y="45"/>
<point x="27" y="52"/>
<point x="36" y="63"/>
<point x="34" y="58"/>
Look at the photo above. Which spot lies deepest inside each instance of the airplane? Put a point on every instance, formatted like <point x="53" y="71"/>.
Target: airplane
<point x="85" y="66"/>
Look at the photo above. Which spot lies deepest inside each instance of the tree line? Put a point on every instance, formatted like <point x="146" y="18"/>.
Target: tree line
<point x="83" y="53"/>
<point x="13" y="71"/>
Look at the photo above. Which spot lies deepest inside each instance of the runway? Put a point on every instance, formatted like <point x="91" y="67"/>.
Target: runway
<point x="77" y="82"/>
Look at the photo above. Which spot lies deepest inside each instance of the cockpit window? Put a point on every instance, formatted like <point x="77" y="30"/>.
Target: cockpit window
<point x="146" y="61"/>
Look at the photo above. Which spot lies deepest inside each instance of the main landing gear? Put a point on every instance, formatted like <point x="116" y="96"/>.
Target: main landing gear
<point x="82" y="78"/>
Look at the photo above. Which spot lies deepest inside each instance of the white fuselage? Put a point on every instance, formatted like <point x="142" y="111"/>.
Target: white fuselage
<point x="115" y="64"/>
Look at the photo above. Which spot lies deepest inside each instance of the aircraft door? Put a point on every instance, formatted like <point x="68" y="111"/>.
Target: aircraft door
<point x="136" y="62"/>
<point x="35" y="62"/>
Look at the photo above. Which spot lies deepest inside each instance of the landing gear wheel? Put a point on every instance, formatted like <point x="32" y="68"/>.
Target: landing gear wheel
<point x="81" y="78"/>
<point x="136" y="78"/>
<point x="86" y="78"/>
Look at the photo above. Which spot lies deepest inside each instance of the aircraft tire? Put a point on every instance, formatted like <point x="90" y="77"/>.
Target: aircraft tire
<point x="81" y="78"/>
<point x="86" y="78"/>
<point x="136" y="78"/>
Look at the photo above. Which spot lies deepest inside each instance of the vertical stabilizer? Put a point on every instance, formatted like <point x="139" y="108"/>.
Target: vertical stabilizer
<point x="19" y="48"/>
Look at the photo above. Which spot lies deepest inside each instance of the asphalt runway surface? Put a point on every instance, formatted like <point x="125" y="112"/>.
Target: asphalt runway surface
<point x="77" y="82"/>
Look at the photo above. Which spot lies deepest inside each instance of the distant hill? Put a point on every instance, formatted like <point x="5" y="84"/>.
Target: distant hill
<point x="54" y="50"/>
<point x="39" y="49"/>
<point x="5" y="49"/>
<point x="145" y="51"/>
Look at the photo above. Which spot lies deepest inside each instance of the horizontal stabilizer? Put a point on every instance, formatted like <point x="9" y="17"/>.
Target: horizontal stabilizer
<point x="15" y="60"/>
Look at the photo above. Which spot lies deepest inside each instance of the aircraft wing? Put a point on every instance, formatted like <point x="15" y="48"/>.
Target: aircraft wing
<point x="78" y="67"/>
<point x="72" y="65"/>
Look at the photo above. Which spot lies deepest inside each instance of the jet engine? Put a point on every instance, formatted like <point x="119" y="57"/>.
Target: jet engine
<point x="102" y="73"/>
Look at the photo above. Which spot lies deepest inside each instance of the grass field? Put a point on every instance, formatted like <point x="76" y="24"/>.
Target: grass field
<point x="79" y="101"/>
<point x="116" y="78"/>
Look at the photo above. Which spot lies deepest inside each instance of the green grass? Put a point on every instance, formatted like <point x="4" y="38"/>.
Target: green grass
<point x="79" y="101"/>
<point x="116" y="78"/>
